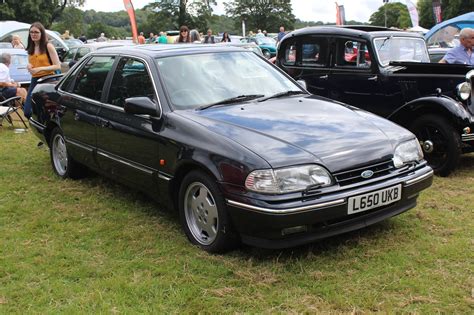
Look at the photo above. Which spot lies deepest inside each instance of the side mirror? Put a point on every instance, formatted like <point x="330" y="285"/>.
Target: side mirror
<point x="302" y="83"/>
<point x="141" y="106"/>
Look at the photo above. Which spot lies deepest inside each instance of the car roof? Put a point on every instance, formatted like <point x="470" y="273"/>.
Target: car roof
<point x="13" y="51"/>
<point x="156" y="50"/>
<point x="7" y="27"/>
<point x="364" y="31"/>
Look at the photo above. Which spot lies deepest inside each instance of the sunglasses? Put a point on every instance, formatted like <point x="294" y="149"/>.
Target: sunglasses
<point x="184" y="31"/>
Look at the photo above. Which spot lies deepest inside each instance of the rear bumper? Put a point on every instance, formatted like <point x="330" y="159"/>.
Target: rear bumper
<point x="280" y="227"/>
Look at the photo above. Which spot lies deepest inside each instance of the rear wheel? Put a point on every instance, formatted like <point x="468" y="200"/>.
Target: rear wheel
<point x="266" y="54"/>
<point x="440" y="142"/>
<point x="62" y="162"/>
<point x="203" y="213"/>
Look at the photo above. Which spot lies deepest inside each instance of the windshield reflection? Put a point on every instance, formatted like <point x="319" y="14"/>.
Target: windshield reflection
<point x="193" y="81"/>
<point x="400" y="49"/>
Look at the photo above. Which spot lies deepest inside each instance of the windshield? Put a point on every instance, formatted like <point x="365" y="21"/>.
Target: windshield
<point x="400" y="49"/>
<point x="196" y="81"/>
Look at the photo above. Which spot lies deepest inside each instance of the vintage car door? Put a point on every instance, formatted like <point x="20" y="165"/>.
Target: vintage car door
<point x="81" y="94"/>
<point x="354" y="77"/>
<point x="127" y="145"/>
<point x="308" y="58"/>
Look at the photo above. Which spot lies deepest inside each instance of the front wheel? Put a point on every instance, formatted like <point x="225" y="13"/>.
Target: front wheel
<point x="62" y="163"/>
<point x="203" y="214"/>
<point x="266" y="54"/>
<point x="440" y="142"/>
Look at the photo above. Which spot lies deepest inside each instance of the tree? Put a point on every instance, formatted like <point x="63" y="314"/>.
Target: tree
<point x="262" y="14"/>
<point x="397" y="16"/>
<point x="449" y="9"/>
<point x="28" y="11"/>
<point x="71" y="19"/>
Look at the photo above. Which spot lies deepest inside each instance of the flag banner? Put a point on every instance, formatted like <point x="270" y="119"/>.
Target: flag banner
<point x="437" y="11"/>
<point x="413" y="13"/>
<point x="340" y="15"/>
<point x="131" y="14"/>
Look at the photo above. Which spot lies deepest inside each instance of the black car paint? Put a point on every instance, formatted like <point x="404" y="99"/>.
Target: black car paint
<point x="153" y="153"/>
<point x="401" y="91"/>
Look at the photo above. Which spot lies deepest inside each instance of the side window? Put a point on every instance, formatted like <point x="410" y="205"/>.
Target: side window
<point x="290" y="54"/>
<point x="131" y="79"/>
<point x="90" y="79"/>
<point x="314" y="51"/>
<point x="82" y="52"/>
<point x="70" y="55"/>
<point x="352" y="53"/>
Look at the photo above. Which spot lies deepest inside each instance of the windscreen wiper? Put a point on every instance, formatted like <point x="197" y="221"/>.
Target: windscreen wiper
<point x="281" y="94"/>
<point x="232" y="100"/>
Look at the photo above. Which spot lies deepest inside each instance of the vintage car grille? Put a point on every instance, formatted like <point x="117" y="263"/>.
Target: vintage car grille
<point x="355" y="175"/>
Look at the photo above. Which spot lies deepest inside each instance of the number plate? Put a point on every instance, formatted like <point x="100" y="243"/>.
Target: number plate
<point x="374" y="199"/>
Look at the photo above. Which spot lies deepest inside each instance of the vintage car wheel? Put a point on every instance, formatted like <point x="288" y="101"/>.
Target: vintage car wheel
<point x="266" y="54"/>
<point x="203" y="213"/>
<point x="62" y="162"/>
<point x="440" y="143"/>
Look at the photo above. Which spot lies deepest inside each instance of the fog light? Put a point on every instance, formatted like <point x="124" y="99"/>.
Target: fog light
<point x="467" y="130"/>
<point x="294" y="229"/>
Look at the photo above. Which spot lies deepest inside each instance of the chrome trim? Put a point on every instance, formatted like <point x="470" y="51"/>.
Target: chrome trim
<point x="419" y="179"/>
<point x="133" y="165"/>
<point x="77" y="144"/>
<point x="286" y="211"/>
<point x="468" y="137"/>
<point x="164" y="176"/>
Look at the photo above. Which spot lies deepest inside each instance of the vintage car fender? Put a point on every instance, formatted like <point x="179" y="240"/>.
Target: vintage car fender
<point x="442" y="105"/>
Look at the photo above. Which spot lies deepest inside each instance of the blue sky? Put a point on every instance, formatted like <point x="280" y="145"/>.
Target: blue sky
<point x="306" y="10"/>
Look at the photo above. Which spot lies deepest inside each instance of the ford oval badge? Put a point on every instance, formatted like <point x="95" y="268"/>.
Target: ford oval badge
<point x="367" y="174"/>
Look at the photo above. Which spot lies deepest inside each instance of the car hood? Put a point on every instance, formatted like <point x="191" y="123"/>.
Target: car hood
<point x="300" y="130"/>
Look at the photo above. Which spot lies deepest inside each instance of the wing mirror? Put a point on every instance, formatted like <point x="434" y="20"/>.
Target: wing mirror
<point x="302" y="83"/>
<point x="142" y="106"/>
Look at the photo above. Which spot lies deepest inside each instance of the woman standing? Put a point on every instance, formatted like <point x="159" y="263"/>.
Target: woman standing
<point x="225" y="38"/>
<point x="43" y="60"/>
<point x="183" y="35"/>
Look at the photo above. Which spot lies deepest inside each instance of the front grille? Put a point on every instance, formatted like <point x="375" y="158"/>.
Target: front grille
<point x="354" y="176"/>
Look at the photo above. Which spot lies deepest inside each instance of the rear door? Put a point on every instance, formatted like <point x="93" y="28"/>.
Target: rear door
<point x="128" y="145"/>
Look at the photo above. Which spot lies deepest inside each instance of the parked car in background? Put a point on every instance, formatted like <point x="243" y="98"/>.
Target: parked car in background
<point x="171" y="36"/>
<point x="18" y="66"/>
<point x="76" y="53"/>
<point x="388" y="73"/>
<point x="8" y="28"/>
<point x="237" y="146"/>
<point x="250" y="46"/>
<point x="73" y="42"/>
<point x="266" y="44"/>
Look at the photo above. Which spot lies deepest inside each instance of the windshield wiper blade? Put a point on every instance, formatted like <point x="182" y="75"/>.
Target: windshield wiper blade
<point x="232" y="100"/>
<point x="385" y="40"/>
<point x="281" y="94"/>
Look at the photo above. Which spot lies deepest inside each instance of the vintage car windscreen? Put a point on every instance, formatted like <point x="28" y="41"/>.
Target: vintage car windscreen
<point x="193" y="81"/>
<point x="392" y="48"/>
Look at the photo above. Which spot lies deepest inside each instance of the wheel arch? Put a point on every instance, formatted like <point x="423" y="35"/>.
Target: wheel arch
<point x="446" y="107"/>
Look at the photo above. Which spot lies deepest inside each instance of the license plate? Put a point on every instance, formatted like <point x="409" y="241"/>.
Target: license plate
<point x="374" y="199"/>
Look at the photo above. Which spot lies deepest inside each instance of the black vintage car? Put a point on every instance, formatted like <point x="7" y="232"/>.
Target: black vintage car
<point x="388" y="73"/>
<point x="237" y="146"/>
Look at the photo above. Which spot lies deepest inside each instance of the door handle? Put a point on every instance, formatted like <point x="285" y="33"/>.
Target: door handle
<point x="374" y="78"/>
<point x="324" y="77"/>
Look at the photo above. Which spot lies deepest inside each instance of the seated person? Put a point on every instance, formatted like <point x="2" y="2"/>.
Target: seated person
<point x="8" y="87"/>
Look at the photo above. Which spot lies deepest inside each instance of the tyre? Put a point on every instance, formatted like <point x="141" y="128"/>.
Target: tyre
<point x="440" y="142"/>
<point x="203" y="214"/>
<point x="63" y="164"/>
<point x="266" y="54"/>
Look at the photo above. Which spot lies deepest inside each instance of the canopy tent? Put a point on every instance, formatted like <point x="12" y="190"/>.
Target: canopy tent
<point x="443" y="34"/>
<point x="418" y="29"/>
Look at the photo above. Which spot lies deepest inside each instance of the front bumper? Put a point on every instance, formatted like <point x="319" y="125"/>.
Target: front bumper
<point x="280" y="227"/>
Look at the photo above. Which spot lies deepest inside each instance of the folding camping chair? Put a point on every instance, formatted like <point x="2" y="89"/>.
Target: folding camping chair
<point x="9" y="107"/>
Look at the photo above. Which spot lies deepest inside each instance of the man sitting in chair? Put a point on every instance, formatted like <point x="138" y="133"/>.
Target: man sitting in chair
<point x="8" y="87"/>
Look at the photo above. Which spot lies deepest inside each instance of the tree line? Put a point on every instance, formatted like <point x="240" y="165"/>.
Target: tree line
<point x="165" y="15"/>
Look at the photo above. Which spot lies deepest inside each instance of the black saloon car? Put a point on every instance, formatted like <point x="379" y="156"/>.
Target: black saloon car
<point x="388" y="73"/>
<point x="238" y="147"/>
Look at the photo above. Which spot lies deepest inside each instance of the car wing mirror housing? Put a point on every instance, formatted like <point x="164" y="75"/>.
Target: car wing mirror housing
<point x="141" y="106"/>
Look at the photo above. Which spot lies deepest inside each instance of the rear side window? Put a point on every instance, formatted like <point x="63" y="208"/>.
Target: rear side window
<point x="90" y="79"/>
<point x="290" y="55"/>
<point x="131" y="79"/>
<point x="352" y="53"/>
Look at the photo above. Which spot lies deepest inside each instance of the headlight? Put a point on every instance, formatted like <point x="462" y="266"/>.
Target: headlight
<point x="290" y="179"/>
<point x="409" y="151"/>
<point x="463" y="90"/>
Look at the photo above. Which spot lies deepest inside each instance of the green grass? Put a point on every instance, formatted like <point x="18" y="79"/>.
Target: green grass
<point x="93" y="246"/>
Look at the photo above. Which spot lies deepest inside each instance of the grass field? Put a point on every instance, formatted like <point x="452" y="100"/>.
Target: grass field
<point x="93" y="246"/>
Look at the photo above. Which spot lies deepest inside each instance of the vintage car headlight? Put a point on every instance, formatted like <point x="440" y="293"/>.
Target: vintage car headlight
<point x="406" y="152"/>
<point x="463" y="90"/>
<point x="290" y="179"/>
